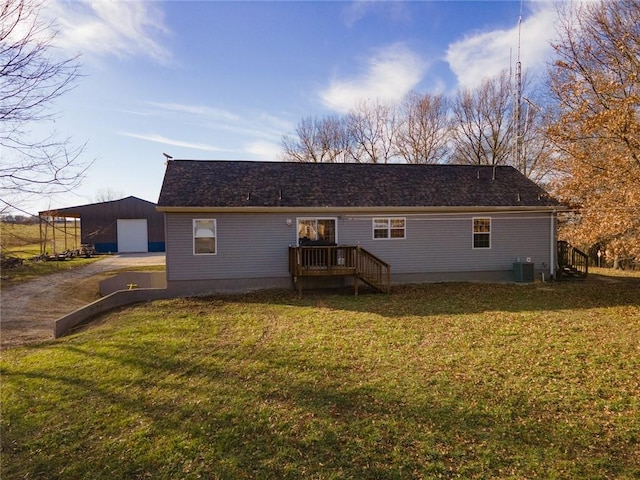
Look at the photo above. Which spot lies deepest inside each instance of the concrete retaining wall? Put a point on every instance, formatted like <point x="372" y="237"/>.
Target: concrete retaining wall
<point x="114" y="300"/>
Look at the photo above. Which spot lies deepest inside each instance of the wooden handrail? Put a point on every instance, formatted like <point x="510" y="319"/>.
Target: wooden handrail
<point x="374" y="271"/>
<point x="340" y="260"/>
<point x="572" y="258"/>
<point x="580" y="261"/>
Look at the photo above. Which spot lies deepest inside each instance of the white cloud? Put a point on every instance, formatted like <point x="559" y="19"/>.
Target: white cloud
<point x="103" y="27"/>
<point x="254" y="135"/>
<point x="174" y="143"/>
<point x="389" y="75"/>
<point x="197" y="110"/>
<point x="265" y="151"/>
<point x="273" y="124"/>
<point x="486" y="54"/>
<point x="249" y="124"/>
<point x="358" y="9"/>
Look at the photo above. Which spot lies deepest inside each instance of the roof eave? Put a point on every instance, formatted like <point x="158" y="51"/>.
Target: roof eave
<point x="364" y="210"/>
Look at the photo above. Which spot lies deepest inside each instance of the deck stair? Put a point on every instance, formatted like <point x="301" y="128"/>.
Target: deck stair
<point x="339" y="261"/>
<point x="573" y="264"/>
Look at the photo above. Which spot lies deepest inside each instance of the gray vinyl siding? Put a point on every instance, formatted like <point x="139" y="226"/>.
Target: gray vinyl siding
<point x="256" y="245"/>
<point x="248" y="246"/>
<point x="444" y="243"/>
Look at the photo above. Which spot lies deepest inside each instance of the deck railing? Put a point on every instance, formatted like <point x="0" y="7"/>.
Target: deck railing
<point x="571" y="261"/>
<point x="339" y="260"/>
<point x="373" y="270"/>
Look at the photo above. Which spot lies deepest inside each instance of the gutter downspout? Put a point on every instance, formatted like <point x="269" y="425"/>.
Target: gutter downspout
<point x="552" y="247"/>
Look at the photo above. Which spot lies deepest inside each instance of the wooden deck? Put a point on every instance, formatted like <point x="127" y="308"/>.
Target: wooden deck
<point x="339" y="261"/>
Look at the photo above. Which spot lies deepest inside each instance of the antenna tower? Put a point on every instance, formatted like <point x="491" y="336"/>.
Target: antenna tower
<point x="519" y="160"/>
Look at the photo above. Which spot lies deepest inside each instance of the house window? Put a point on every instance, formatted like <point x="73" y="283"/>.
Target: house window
<point x="204" y="237"/>
<point x="389" y="228"/>
<point x="481" y="233"/>
<point x="317" y="230"/>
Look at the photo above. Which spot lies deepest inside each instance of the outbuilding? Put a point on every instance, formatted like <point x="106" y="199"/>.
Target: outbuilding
<point x="126" y="225"/>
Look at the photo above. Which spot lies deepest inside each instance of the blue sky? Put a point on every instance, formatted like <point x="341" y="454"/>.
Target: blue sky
<point x="225" y="80"/>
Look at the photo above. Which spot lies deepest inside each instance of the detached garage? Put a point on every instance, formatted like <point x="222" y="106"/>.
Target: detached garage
<point x="126" y="225"/>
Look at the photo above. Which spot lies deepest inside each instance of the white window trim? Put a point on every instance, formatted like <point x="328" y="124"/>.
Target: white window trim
<point x="301" y="219"/>
<point x="388" y="237"/>
<point x="473" y="233"/>
<point x="193" y="235"/>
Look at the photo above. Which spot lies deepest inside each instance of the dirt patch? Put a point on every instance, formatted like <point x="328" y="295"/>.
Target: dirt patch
<point x="28" y="310"/>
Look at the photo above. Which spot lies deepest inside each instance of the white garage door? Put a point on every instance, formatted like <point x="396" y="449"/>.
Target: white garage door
<point x="132" y="235"/>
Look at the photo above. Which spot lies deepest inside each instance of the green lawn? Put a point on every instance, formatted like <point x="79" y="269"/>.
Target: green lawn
<point x="435" y="381"/>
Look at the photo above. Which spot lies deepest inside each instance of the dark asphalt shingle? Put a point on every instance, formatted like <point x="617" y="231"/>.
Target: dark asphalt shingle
<point x="194" y="183"/>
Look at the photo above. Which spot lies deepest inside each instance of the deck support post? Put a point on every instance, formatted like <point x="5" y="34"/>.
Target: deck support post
<point x="53" y="236"/>
<point x="42" y="247"/>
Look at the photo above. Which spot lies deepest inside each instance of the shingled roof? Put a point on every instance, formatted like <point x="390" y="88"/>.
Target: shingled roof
<point x="193" y="183"/>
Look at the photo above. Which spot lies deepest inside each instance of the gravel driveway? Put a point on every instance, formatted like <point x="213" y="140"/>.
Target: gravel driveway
<point x="28" y="310"/>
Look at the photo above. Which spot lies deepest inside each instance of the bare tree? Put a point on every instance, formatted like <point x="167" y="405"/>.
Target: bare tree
<point x="371" y="127"/>
<point x="107" y="195"/>
<point x="423" y="128"/>
<point x="596" y="84"/>
<point x="318" y="141"/>
<point x="366" y="134"/>
<point x="31" y="78"/>
<point x="482" y="131"/>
